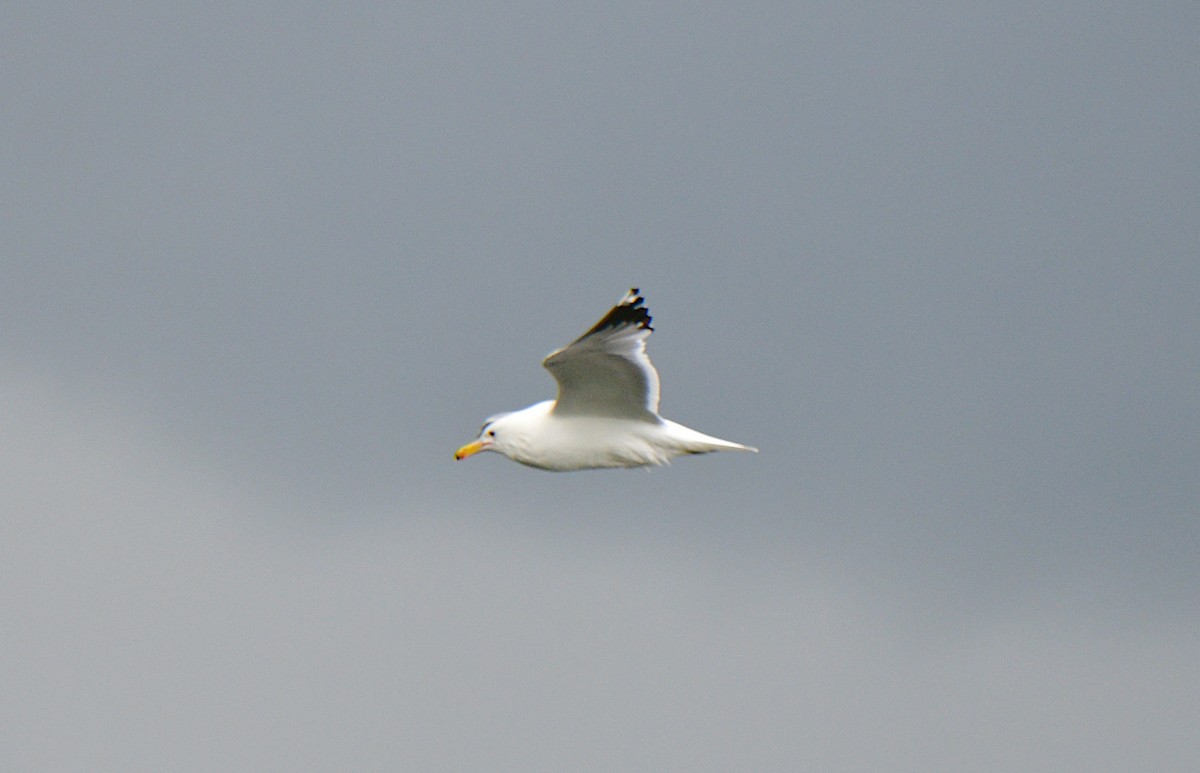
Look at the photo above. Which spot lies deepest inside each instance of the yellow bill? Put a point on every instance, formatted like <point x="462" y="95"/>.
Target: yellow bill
<point x="470" y="449"/>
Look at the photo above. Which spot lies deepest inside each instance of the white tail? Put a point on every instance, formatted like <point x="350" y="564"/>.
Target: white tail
<point x="693" y="442"/>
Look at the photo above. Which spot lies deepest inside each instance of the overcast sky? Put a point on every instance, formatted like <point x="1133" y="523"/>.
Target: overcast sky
<point x="266" y="267"/>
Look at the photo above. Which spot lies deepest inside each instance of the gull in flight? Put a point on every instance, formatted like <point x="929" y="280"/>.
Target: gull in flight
<point x="606" y="414"/>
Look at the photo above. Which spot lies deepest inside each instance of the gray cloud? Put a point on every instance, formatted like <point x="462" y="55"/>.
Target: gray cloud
<point x="161" y="617"/>
<point x="265" y="270"/>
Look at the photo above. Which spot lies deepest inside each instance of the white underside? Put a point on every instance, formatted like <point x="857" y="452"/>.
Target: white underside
<point x="550" y="441"/>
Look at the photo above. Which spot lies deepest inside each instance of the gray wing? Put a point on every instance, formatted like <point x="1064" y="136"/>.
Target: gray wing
<point x="606" y="372"/>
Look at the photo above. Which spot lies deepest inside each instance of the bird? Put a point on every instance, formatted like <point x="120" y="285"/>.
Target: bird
<point x="606" y="412"/>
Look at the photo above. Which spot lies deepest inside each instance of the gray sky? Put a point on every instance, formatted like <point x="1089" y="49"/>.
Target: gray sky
<point x="266" y="268"/>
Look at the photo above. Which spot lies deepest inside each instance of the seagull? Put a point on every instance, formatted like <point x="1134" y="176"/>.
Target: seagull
<point x="606" y="414"/>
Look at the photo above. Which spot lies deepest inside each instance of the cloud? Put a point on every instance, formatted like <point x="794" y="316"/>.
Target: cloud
<point x="158" y="616"/>
<point x="265" y="270"/>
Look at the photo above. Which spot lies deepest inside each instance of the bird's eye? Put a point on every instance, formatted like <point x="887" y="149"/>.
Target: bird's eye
<point x="491" y="433"/>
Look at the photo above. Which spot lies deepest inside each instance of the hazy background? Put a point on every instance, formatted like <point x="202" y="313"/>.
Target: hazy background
<point x="265" y="268"/>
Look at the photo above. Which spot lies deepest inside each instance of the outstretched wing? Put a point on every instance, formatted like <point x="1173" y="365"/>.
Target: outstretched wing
<point x="605" y="372"/>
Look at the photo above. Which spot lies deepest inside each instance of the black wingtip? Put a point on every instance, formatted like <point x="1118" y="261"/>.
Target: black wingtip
<point x="640" y="314"/>
<point x="629" y="311"/>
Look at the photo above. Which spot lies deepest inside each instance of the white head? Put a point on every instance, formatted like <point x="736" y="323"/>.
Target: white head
<point x="506" y="433"/>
